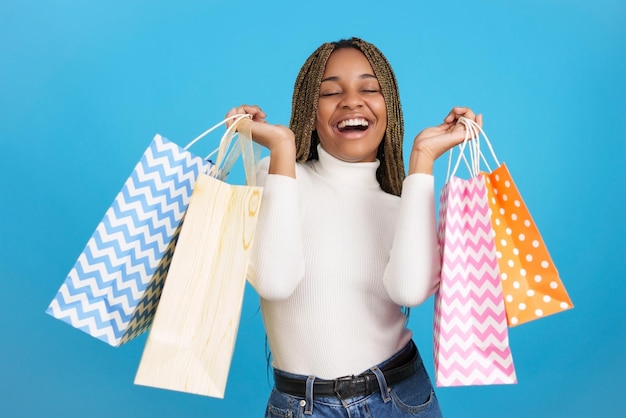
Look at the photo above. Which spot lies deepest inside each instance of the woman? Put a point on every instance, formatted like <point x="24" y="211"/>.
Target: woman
<point x="344" y="241"/>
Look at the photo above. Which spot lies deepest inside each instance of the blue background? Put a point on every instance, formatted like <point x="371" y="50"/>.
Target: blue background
<point x="85" y="85"/>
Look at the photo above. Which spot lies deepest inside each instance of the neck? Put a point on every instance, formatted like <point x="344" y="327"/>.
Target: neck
<point x="361" y="175"/>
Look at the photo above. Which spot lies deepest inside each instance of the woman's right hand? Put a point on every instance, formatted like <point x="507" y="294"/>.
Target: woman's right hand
<point x="269" y="136"/>
<point x="432" y="142"/>
<point x="279" y="139"/>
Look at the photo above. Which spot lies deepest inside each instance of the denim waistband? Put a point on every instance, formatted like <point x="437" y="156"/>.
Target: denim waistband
<point x="400" y="366"/>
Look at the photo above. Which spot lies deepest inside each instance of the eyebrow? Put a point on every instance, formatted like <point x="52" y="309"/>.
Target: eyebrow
<point x="336" y="78"/>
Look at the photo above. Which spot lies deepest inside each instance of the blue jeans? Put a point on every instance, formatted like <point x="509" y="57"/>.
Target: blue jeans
<point x="412" y="397"/>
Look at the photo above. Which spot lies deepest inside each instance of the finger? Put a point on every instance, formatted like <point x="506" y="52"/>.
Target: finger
<point x="461" y="111"/>
<point x="231" y="112"/>
<point x="466" y="112"/>
<point x="253" y="110"/>
<point x="450" y="117"/>
<point x="456" y="113"/>
<point x="239" y="110"/>
<point x="474" y="130"/>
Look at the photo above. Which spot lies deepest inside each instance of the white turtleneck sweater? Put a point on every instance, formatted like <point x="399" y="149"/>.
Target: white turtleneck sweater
<point x="334" y="260"/>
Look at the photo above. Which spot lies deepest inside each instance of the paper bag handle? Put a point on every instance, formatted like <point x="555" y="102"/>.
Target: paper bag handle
<point x="211" y="129"/>
<point x="473" y="130"/>
<point x="229" y="151"/>
<point x="228" y="165"/>
<point x="469" y="133"/>
<point x="237" y="139"/>
<point x="470" y="124"/>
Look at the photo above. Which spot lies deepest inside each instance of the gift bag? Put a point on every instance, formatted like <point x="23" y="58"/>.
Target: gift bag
<point x="471" y="345"/>
<point x="112" y="290"/>
<point x="530" y="281"/>
<point x="192" y="339"/>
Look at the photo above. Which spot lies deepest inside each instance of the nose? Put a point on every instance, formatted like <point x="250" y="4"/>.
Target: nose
<point x="351" y="100"/>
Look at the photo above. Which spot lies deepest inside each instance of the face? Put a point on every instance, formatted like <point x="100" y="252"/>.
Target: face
<point x="351" y="112"/>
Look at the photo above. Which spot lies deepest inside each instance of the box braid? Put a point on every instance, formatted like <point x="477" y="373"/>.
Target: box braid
<point x="390" y="173"/>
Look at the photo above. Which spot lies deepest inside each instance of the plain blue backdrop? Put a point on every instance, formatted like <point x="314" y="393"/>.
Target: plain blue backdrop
<point x="85" y="85"/>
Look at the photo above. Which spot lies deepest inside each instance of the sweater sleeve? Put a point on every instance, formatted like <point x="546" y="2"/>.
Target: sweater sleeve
<point x="277" y="259"/>
<point x="412" y="274"/>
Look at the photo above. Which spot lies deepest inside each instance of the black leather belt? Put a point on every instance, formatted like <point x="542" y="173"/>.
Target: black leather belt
<point x="400" y="368"/>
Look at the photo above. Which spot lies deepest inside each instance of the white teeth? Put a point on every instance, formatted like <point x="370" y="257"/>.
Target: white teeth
<point x="352" y="122"/>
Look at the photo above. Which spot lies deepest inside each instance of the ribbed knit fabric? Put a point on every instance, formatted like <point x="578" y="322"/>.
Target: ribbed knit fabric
<point x="335" y="258"/>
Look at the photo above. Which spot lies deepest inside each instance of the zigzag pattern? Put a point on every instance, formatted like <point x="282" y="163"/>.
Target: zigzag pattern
<point x="113" y="288"/>
<point x="146" y="308"/>
<point x="470" y="331"/>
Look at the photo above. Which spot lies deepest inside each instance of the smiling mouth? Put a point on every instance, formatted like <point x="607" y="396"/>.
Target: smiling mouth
<point x="351" y="125"/>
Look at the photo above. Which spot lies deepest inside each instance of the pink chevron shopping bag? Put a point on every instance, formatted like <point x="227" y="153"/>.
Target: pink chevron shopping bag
<point x="471" y="343"/>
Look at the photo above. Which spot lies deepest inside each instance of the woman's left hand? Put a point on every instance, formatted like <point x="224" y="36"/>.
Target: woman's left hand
<point x="433" y="142"/>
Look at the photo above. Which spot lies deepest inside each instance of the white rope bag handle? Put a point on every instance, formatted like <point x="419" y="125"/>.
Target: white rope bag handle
<point x="472" y="130"/>
<point x="211" y="129"/>
<point x="470" y="124"/>
<point x="231" y="145"/>
<point x="229" y="151"/>
<point x="474" y="149"/>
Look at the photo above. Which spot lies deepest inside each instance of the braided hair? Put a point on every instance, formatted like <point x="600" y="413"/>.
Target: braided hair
<point x="390" y="173"/>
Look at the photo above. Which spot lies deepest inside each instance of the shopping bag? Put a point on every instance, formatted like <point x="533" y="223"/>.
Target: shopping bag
<point x="112" y="290"/>
<point x="191" y="342"/>
<point x="531" y="283"/>
<point x="471" y="345"/>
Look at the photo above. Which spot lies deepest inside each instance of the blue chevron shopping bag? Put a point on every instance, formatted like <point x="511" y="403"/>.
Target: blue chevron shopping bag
<point x="113" y="289"/>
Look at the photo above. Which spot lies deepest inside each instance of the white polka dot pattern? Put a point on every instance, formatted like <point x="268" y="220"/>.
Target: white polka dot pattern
<point x="530" y="281"/>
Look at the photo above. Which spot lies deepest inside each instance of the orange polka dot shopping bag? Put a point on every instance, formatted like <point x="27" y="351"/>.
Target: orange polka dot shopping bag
<point x="531" y="284"/>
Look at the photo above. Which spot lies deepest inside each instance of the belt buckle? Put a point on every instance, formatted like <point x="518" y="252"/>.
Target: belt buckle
<point x="345" y="387"/>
